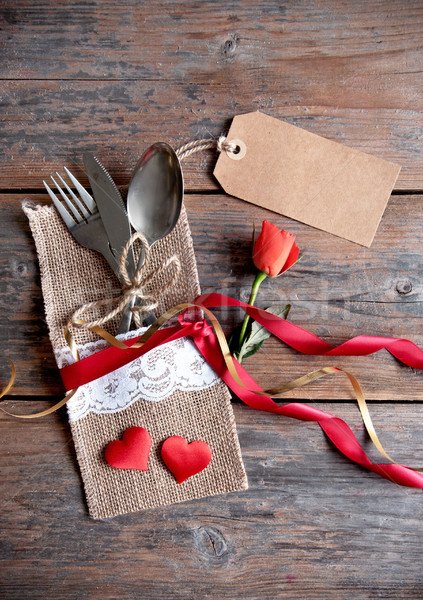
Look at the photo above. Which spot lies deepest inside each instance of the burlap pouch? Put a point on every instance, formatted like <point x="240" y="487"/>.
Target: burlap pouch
<point x="169" y="391"/>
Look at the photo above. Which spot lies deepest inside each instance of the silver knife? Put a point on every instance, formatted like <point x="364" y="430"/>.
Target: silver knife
<point x="112" y="209"/>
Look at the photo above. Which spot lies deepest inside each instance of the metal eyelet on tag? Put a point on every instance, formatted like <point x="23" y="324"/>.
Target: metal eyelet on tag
<point x="236" y="149"/>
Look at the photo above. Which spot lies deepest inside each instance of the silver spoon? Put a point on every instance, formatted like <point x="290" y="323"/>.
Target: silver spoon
<point x="154" y="204"/>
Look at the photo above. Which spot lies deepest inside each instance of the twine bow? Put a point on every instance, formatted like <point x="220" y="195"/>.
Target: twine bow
<point x="133" y="287"/>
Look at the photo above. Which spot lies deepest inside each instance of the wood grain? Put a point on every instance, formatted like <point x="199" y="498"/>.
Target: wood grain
<point x="338" y="290"/>
<point x="114" y="78"/>
<point x="309" y="513"/>
<point x="50" y="123"/>
<point x="157" y="40"/>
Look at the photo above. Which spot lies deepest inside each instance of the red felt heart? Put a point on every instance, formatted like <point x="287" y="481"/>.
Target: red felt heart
<point x="132" y="452"/>
<point x="183" y="459"/>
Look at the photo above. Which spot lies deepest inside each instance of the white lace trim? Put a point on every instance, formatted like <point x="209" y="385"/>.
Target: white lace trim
<point x="177" y="365"/>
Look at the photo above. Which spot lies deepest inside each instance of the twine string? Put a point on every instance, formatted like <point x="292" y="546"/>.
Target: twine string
<point x="134" y="287"/>
<point x="221" y="145"/>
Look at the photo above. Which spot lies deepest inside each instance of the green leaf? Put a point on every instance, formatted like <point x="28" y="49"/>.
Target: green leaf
<point x="280" y="311"/>
<point x="252" y="349"/>
<point x="258" y="334"/>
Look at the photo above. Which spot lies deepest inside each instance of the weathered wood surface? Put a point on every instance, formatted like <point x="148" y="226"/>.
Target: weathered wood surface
<point x="113" y="78"/>
<point x="51" y="123"/>
<point x="338" y="290"/>
<point x="155" y="40"/>
<point x="311" y="524"/>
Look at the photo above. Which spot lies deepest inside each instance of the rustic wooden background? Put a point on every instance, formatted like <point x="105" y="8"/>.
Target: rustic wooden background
<point x="114" y="77"/>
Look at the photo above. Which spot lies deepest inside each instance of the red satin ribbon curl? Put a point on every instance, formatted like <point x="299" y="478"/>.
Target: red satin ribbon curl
<point x="307" y="343"/>
<point x="336" y="429"/>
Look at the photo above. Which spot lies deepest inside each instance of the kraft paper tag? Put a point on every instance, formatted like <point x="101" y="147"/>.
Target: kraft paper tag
<point x="306" y="177"/>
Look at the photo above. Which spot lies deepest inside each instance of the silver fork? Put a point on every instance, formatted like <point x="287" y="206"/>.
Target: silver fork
<point x="82" y="218"/>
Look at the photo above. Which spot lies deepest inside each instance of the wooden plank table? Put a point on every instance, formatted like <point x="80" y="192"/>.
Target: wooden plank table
<point x="113" y="78"/>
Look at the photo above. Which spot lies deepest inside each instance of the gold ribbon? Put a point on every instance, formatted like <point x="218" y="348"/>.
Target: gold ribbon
<point x="34" y="415"/>
<point x="172" y="312"/>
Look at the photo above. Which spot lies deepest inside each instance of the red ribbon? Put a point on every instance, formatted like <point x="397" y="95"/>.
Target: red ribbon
<point x="112" y="358"/>
<point x="307" y="343"/>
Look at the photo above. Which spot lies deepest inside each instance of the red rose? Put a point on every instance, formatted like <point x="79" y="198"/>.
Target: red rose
<point x="274" y="251"/>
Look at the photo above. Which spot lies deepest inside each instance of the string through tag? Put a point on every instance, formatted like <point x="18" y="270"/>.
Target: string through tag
<point x="235" y="149"/>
